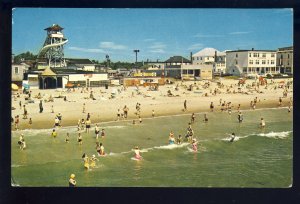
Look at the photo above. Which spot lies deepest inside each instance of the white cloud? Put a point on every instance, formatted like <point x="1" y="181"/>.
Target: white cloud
<point x="157" y="51"/>
<point x="158" y="45"/>
<point x="112" y="45"/>
<point x="239" y="33"/>
<point x="91" y="50"/>
<point x="207" y="36"/>
<point x="196" y="46"/>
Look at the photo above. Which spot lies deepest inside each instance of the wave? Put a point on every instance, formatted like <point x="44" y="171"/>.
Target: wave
<point x="274" y="135"/>
<point x="172" y="146"/>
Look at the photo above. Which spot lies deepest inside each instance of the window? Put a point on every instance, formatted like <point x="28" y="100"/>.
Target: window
<point x="197" y="58"/>
<point x="267" y="69"/>
<point x="245" y="69"/>
<point x="272" y="55"/>
<point x="263" y="54"/>
<point x="288" y="56"/>
<point x="200" y="58"/>
<point x="263" y="61"/>
<point x="236" y="62"/>
<point x="207" y="58"/>
<point x="257" y="69"/>
<point x="236" y="55"/>
<point x="256" y="61"/>
<point x="16" y="70"/>
<point x="249" y="54"/>
<point x="250" y="61"/>
<point x="255" y="54"/>
<point x="272" y="61"/>
<point x="268" y="62"/>
<point x="193" y="58"/>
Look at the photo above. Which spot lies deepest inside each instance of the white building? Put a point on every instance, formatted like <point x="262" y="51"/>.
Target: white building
<point x="211" y="56"/>
<point x="284" y="60"/>
<point x="251" y="62"/>
<point x="17" y="73"/>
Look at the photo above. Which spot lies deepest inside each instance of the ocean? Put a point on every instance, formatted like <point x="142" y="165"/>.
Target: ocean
<point x="257" y="158"/>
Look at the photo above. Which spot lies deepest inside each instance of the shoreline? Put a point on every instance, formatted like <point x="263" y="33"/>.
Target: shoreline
<point x="67" y="123"/>
<point x="104" y="108"/>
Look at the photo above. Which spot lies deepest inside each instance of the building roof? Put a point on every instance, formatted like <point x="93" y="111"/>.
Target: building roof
<point x="48" y="72"/>
<point x="208" y="52"/>
<point x="177" y="59"/>
<point x="78" y="61"/>
<point x="286" y="48"/>
<point x="54" y="27"/>
<point x="252" y="50"/>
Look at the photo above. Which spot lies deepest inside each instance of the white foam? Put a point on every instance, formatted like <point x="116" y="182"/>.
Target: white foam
<point x="172" y="146"/>
<point x="276" y="135"/>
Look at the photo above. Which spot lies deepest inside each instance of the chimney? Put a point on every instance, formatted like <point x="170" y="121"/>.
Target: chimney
<point x="215" y="56"/>
<point x="252" y="49"/>
<point x="191" y="58"/>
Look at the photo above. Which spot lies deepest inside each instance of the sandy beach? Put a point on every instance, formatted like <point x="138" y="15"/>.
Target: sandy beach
<point x="104" y="107"/>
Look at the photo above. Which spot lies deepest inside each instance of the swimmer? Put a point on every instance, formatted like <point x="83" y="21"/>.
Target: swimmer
<point x="86" y="161"/>
<point x="54" y="133"/>
<point x="30" y="121"/>
<point x="56" y="122"/>
<point x="193" y="118"/>
<point x="232" y="137"/>
<point x="79" y="139"/>
<point x="93" y="161"/>
<point x="133" y="122"/>
<point x="179" y="140"/>
<point x="98" y="148"/>
<point x="102" y="133"/>
<point x="67" y="138"/>
<point x="101" y="152"/>
<point x="262" y="123"/>
<point x="97" y="130"/>
<point x="153" y="114"/>
<point x="72" y="182"/>
<point x="140" y="119"/>
<point x="205" y="118"/>
<point x="240" y="117"/>
<point x="194" y="145"/>
<point x="137" y="153"/>
<point x="87" y="125"/>
<point x="171" y="138"/>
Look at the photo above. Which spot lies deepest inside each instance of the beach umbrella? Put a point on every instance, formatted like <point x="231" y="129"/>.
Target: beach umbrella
<point x="14" y="87"/>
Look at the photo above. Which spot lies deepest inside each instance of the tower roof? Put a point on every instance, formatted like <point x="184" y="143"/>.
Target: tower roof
<point x="48" y="72"/>
<point x="54" y="27"/>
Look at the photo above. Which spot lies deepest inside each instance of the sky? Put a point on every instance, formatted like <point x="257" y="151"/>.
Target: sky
<point x="158" y="33"/>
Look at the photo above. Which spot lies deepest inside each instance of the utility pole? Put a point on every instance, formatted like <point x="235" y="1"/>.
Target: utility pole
<point x="136" y="51"/>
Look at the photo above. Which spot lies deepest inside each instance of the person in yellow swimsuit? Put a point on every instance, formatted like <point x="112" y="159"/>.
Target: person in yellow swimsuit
<point x="86" y="161"/>
<point x="93" y="161"/>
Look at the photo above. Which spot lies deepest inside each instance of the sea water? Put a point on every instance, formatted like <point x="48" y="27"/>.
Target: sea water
<point x="261" y="158"/>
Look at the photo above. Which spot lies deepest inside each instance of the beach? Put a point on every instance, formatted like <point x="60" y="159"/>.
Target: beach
<point x="104" y="108"/>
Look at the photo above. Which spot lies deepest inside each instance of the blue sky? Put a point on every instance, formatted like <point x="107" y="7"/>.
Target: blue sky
<point x="157" y="33"/>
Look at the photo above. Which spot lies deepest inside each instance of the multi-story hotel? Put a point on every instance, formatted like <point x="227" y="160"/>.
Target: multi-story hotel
<point x="284" y="60"/>
<point x="251" y="62"/>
